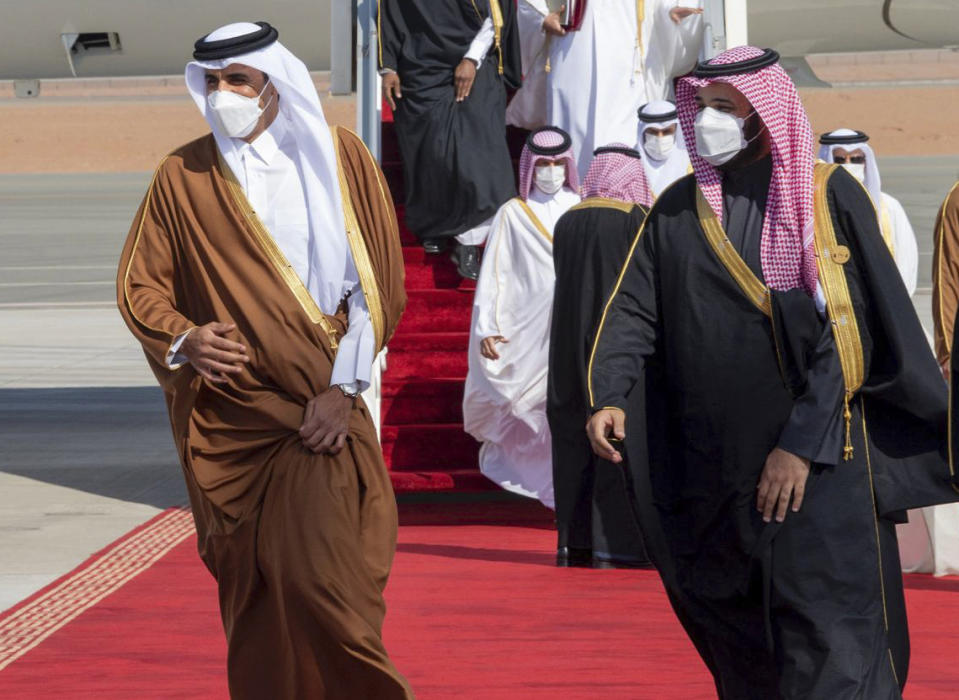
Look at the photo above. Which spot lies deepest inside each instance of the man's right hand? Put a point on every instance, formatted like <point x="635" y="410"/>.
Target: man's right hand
<point x="212" y="355"/>
<point x="391" y="88"/>
<point x="598" y="429"/>
<point x="488" y="346"/>
<point x="551" y="23"/>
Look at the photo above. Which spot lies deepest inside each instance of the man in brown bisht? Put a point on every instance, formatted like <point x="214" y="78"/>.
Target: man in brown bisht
<point x="945" y="276"/>
<point x="262" y="274"/>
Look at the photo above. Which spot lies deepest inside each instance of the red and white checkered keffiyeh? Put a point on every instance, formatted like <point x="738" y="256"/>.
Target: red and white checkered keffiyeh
<point x="617" y="176"/>
<point x="546" y="138"/>
<point x="787" y="255"/>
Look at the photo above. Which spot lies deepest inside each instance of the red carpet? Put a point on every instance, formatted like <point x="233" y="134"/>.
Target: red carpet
<point x="477" y="611"/>
<point x="424" y="445"/>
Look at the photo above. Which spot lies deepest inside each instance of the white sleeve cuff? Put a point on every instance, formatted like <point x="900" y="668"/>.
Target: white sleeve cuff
<point x="353" y="366"/>
<point x="481" y="43"/>
<point x="174" y="358"/>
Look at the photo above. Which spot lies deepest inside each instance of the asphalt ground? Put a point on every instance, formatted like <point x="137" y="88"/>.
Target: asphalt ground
<point x="85" y="447"/>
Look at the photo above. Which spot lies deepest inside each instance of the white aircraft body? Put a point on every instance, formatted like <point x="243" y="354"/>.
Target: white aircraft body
<point x="106" y="38"/>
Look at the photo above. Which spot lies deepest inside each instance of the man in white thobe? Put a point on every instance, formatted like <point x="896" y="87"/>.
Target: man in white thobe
<point x="504" y="404"/>
<point x="661" y="145"/>
<point x="590" y="76"/>
<point x="850" y="149"/>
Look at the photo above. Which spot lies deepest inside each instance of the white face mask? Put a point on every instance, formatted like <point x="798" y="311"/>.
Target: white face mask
<point x="236" y="115"/>
<point x="857" y="170"/>
<point x="659" y="147"/>
<point x="549" y="178"/>
<point x="719" y="136"/>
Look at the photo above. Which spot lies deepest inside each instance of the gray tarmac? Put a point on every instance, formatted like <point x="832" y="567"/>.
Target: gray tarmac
<point x="85" y="447"/>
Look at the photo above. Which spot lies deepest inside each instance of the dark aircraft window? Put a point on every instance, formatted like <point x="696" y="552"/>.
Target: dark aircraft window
<point x="96" y="40"/>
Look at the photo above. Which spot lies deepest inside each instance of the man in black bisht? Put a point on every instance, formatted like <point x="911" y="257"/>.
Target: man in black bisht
<point x="446" y="65"/>
<point x="803" y="410"/>
<point x="594" y="516"/>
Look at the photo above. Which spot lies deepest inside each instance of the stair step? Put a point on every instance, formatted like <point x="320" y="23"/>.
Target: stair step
<point x="452" y="480"/>
<point x="428" y="355"/>
<point x="437" y="446"/>
<point x="410" y="410"/>
<point x="437" y="310"/>
<point x="424" y="388"/>
<point x="428" y="271"/>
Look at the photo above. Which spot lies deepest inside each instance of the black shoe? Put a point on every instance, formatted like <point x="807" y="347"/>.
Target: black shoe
<point x="574" y="557"/>
<point x="434" y="246"/>
<point x="467" y="259"/>
<point x="609" y="562"/>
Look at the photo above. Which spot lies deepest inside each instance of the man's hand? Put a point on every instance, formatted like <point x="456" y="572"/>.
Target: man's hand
<point x="488" y="346"/>
<point x="391" y="89"/>
<point x="211" y="354"/>
<point x="783" y="478"/>
<point x="598" y="429"/>
<point x="678" y="14"/>
<point x="463" y="78"/>
<point x="326" y="422"/>
<point x="551" y="23"/>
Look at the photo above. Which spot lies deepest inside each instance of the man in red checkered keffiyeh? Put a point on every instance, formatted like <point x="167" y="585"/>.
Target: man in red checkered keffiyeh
<point x="758" y="311"/>
<point x="616" y="172"/>
<point x="787" y="259"/>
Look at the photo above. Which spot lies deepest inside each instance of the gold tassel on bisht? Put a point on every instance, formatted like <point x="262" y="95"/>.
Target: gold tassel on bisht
<point x="847" y="414"/>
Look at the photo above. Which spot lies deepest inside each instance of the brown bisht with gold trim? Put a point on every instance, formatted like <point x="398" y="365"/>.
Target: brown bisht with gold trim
<point x="812" y="607"/>
<point x="945" y="275"/>
<point x="300" y="544"/>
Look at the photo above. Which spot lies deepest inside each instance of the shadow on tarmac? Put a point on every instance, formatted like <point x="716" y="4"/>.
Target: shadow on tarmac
<point x="109" y="441"/>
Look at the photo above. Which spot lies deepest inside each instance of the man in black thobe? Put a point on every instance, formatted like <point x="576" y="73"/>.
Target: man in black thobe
<point x="446" y="65"/>
<point x="594" y="516"/>
<point x="803" y="410"/>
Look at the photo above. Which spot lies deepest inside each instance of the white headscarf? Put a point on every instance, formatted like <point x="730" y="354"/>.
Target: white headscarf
<point x="873" y="183"/>
<point x="662" y="173"/>
<point x="331" y="273"/>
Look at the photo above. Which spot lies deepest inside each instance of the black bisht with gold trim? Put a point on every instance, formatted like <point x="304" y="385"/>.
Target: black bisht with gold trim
<point x="594" y="516"/>
<point x="768" y="606"/>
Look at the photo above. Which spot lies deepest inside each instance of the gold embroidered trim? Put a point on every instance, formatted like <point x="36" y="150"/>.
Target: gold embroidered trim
<point x="937" y="254"/>
<point x="885" y="223"/>
<point x="133" y="252"/>
<point x="535" y="219"/>
<point x="496" y="14"/>
<point x="842" y="316"/>
<point x="875" y="518"/>
<point x="263" y="237"/>
<point x="754" y="290"/>
<point x="952" y="469"/>
<point x="603" y="202"/>
<point x="361" y="256"/>
<point x="609" y="302"/>
<point x="379" y="31"/>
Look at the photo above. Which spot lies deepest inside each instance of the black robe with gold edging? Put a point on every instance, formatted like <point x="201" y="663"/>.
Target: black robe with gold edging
<point x="811" y="608"/>
<point x="457" y="169"/>
<point x="595" y="523"/>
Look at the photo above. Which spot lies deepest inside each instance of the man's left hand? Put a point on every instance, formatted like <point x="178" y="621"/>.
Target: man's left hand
<point x="326" y="422"/>
<point x="678" y="14"/>
<point x="463" y="78"/>
<point x="783" y="478"/>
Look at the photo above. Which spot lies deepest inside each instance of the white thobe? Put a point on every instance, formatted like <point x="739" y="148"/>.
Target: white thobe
<point x="660" y="174"/>
<point x="600" y="75"/>
<point x="504" y="403"/>
<point x="897" y="230"/>
<point x="273" y="185"/>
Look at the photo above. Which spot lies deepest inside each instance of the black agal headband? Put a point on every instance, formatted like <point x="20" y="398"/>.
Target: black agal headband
<point x="204" y="50"/>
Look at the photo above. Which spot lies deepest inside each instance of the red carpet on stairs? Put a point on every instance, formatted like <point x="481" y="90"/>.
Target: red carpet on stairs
<point x="477" y="611"/>
<point x="424" y="445"/>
